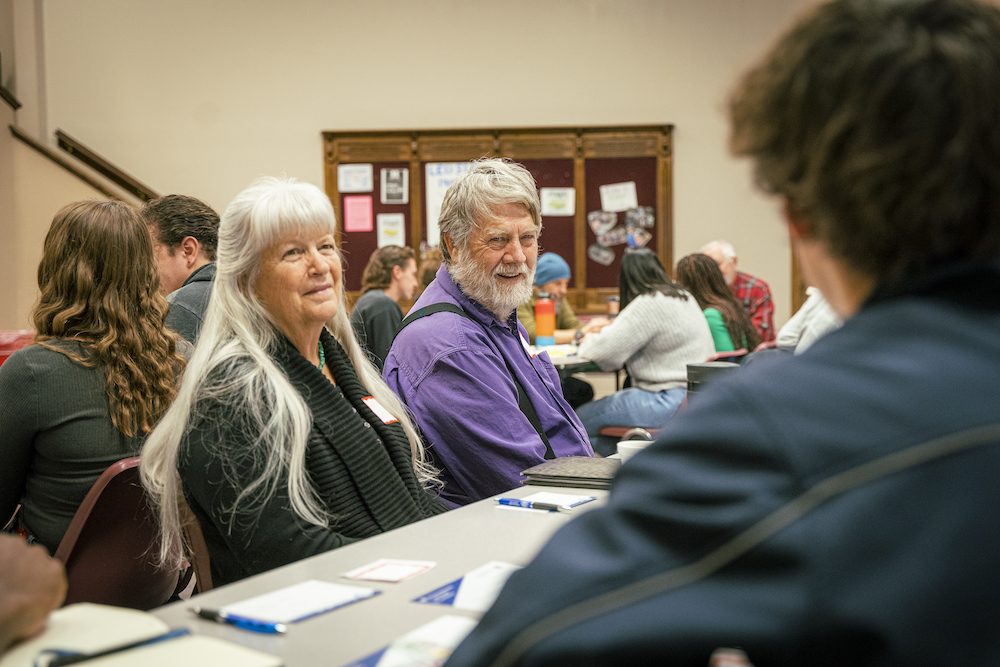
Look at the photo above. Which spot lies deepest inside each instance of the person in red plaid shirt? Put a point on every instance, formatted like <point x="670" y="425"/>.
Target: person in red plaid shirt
<point x="750" y="291"/>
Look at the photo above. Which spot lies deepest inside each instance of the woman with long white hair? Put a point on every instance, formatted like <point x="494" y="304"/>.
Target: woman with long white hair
<point x="283" y="439"/>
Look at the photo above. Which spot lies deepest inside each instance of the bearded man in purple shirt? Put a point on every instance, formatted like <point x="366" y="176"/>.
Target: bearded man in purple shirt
<point x="462" y="371"/>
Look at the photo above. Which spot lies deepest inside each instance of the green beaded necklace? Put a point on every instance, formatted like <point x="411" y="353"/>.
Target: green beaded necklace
<point x="322" y="356"/>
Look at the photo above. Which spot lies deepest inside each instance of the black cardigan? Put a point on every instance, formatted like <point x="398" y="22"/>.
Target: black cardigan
<point x="359" y="467"/>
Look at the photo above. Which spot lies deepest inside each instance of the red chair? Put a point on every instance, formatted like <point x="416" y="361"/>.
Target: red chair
<point x="14" y="340"/>
<point x="112" y="542"/>
<point x="735" y="356"/>
<point x="197" y="548"/>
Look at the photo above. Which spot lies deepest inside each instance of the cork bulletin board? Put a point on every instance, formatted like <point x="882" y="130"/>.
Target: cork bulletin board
<point x="627" y="170"/>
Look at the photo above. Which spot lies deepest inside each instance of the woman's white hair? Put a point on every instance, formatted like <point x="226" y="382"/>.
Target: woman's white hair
<point x="233" y="365"/>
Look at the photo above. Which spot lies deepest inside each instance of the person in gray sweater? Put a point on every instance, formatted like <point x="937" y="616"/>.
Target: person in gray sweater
<point x="659" y="331"/>
<point x="100" y="374"/>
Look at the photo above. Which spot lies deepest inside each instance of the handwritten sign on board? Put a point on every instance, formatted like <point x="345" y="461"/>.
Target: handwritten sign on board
<point x="355" y="178"/>
<point x="438" y="176"/>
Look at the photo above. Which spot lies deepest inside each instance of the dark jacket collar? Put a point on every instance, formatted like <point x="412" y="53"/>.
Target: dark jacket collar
<point x="971" y="284"/>
<point x="205" y="273"/>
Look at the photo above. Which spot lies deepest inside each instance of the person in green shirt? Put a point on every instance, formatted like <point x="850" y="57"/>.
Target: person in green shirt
<point x="552" y="276"/>
<point x="728" y="322"/>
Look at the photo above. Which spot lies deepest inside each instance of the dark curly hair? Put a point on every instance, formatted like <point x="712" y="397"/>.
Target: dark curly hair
<point x="702" y="277"/>
<point x="99" y="284"/>
<point x="879" y="121"/>
<point x="174" y="217"/>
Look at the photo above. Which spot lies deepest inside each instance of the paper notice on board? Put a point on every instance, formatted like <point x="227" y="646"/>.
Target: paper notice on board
<point x="438" y="176"/>
<point x="390" y="229"/>
<point x="616" y="197"/>
<point x="358" y="214"/>
<point x="395" y="186"/>
<point x="355" y="178"/>
<point x="558" y="201"/>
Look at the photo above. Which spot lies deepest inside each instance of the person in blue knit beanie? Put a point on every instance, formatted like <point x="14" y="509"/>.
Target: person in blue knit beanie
<point x="552" y="277"/>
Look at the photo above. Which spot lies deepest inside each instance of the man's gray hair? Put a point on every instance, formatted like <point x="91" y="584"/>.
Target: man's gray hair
<point x="728" y="251"/>
<point x="474" y="195"/>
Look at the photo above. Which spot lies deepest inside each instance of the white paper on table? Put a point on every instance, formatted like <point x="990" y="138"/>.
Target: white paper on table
<point x="480" y="587"/>
<point x="87" y="628"/>
<point x="616" y="197"/>
<point x="558" y="201"/>
<point x="299" y="602"/>
<point x="355" y="178"/>
<point x="565" y="500"/>
<point x="389" y="570"/>
<point x="430" y="644"/>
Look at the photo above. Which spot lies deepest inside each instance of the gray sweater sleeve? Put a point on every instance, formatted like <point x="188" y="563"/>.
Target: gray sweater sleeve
<point x="18" y="424"/>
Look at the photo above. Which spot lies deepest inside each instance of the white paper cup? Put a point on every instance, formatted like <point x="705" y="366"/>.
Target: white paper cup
<point x="629" y="448"/>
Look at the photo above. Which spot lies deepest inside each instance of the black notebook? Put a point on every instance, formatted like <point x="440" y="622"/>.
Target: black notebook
<point x="582" y="472"/>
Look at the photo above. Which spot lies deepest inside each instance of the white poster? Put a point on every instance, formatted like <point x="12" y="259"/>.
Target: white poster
<point x="396" y="186"/>
<point x="355" y="178"/>
<point x="439" y="175"/>
<point x="617" y="197"/>
<point x="390" y="229"/>
<point x="558" y="201"/>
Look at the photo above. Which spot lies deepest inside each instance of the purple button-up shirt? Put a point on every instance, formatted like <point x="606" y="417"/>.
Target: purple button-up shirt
<point x="450" y="373"/>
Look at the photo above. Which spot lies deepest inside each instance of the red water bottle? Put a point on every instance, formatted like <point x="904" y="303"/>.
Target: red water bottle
<point x="545" y="320"/>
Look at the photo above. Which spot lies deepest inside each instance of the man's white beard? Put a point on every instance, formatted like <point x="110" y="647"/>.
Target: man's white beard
<point x="483" y="286"/>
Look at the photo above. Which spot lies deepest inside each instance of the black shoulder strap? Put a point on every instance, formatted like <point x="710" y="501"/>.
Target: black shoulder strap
<point x="523" y="402"/>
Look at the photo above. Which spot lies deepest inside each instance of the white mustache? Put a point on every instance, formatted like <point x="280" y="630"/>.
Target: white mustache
<point x="511" y="270"/>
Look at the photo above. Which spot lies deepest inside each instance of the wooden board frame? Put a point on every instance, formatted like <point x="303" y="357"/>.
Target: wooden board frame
<point x="579" y="144"/>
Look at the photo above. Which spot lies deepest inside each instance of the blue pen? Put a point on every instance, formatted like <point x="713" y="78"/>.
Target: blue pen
<point x="517" y="502"/>
<point x="219" y="616"/>
<point x="60" y="657"/>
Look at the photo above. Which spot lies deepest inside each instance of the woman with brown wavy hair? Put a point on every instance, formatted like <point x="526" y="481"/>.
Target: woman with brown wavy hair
<point x="731" y="327"/>
<point x="100" y="374"/>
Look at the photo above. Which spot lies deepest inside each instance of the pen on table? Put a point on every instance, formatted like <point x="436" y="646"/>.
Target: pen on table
<point x="67" y="658"/>
<point x="517" y="502"/>
<point x="250" y="624"/>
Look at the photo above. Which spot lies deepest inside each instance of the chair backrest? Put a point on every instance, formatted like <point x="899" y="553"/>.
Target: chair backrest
<point x="699" y="374"/>
<point x="197" y="548"/>
<point x="733" y="356"/>
<point x="111" y="546"/>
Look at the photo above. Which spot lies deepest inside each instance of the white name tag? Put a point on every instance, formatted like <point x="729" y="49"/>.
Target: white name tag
<point x="379" y="411"/>
<point x="524" y="342"/>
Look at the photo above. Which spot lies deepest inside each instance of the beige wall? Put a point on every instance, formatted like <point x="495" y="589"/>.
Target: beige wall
<point x="8" y="225"/>
<point x="40" y="189"/>
<point x="201" y="97"/>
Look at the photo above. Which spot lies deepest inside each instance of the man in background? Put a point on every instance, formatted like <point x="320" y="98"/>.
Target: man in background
<point x="552" y="277"/>
<point x="487" y="406"/>
<point x="390" y="275"/>
<point x="185" y="231"/>
<point x="836" y="507"/>
<point x="752" y="292"/>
